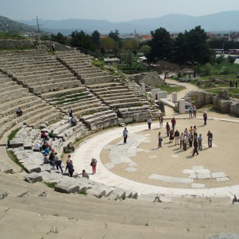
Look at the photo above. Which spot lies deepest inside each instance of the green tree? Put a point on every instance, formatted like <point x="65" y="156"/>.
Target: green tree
<point x="114" y="35"/>
<point x="220" y="59"/>
<point x="96" y="39"/>
<point x="60" y="38"/>
<point x="145" y="49"/>
<point x="197" y="46"/>
<point x="82" y="40"/>
<point x="231" y="59"/>
<point x="108" y="44"/>
<point x="180" y="52"/>
<point x="160" y="45"/>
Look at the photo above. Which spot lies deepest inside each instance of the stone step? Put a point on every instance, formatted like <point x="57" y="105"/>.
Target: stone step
<point x="63" y="92"/>
<point x="52" y="81"/>
<point x="103" y="85"/>
<point x="70" y="100"/>
<point x="97" y="79"/>
<point x="53" y="87"/>
<point x="15" y="102"/>
<point x="90" y="111"/>
<point x="47" y="117"/>
<point x="10" y="95"/>
<point x="92" y="102"/>
<point x="125" y="104"/>
<point x="161" y="219"/>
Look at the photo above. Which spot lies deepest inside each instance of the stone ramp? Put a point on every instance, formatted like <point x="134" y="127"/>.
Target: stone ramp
<point x="168" y="103"/>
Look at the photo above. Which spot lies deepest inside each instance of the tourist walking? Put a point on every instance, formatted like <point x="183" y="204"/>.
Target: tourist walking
<point x="200" y="142"/>
<point x="181" y="140"/>
<point x="160" y="140"/>
<point x="210" y="138"/>
<point x="190" y="139"/>
<point x="161" y="121"/>
<point x="195" y="144"/>
<point x="58" y="162"/>
<point x="93" y="165"/>
<point x="167" y="129"/>
<point x="125" y="135"/>
<point x="70" y="168"/>
<point x="185" y="140"/>
<point x="173" y="122"/>
<point x="195" y="130"/>
<point x="176" y="137"/>
<point x="205" y="117"/>
<point x="149" y="122"/>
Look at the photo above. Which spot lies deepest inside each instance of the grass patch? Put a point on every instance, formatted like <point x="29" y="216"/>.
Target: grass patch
<point x="232" y="91"/>
<point x="171" y="89"/>
<point x="14" y="159"/>
<point x="51" y="185"/>
<point x="13" y="134"/>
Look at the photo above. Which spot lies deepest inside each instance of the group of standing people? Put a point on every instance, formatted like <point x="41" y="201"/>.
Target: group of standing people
<point x="188" y="138"/>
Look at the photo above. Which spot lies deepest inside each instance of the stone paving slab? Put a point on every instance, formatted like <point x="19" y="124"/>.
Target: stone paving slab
<point x="171" y="179"/>
<point x="218" y="175"/>
<point x="93" y="146"/>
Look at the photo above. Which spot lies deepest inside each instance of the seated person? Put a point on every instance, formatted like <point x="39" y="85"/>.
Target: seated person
<point x="46" y="159"/>
<point x="19" y="111"/>
<point x="73" y="121"/>
<point x="70" y="147"/>
<point x="85" y="174"/>
<point x="52" y="135"/>
<point x="38" y="146"/>
<point x="43" y="135"/>
<point x="47" y="150"/>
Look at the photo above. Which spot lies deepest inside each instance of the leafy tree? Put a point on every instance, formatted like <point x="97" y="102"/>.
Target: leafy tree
<point x="160" y="45"/>
<point x="145" y="49"/>
<point x="231" y="59"/>
<point x="82" y="40"/>
<point x="114" y="35"/>
<point x="60" y="38"/>
<point x="130" y="45"/>
<point x="220" y="59"/>
<point x="180" y="52"/>
<point x="197" y="46"/>
<point x="108" y="44"/>
<point x="96" y="39"/>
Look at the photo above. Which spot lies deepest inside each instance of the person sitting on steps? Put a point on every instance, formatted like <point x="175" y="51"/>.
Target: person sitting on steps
<point x="19" y="111"/>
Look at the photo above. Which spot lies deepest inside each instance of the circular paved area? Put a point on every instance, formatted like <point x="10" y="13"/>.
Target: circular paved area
<point x="140" y="166"/>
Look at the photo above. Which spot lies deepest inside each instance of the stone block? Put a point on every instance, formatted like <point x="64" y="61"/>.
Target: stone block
<point x="181" y="106"/>
<point x="148" y="197"/>
<point x="30" y="168"/>
<point x="33" y="178"/>
<point x="65" y="187"/>
<point x="97" y="192"/>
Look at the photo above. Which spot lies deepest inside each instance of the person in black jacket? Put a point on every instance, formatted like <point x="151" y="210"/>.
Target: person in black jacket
<point x="195" y="144"/>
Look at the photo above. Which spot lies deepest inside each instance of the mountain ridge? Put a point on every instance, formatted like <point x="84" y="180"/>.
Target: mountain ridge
<point x="217" y="22"/>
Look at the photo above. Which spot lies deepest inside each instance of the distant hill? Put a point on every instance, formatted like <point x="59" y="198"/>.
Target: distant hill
<point x="9" y="26"/>
<point x="224" y="21"/>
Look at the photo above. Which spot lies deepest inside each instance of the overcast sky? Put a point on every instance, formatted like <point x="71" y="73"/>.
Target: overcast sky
<point x="111" y="10"/>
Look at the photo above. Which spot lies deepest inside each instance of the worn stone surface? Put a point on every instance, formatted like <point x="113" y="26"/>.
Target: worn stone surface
<point x="225" y="236"/>
<point x="65" y="187"/>
<point x="33" y="178"/>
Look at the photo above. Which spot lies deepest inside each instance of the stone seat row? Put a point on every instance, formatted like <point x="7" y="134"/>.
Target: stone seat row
<point x="86" y="106"/>
<point x="35" y="211"/>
